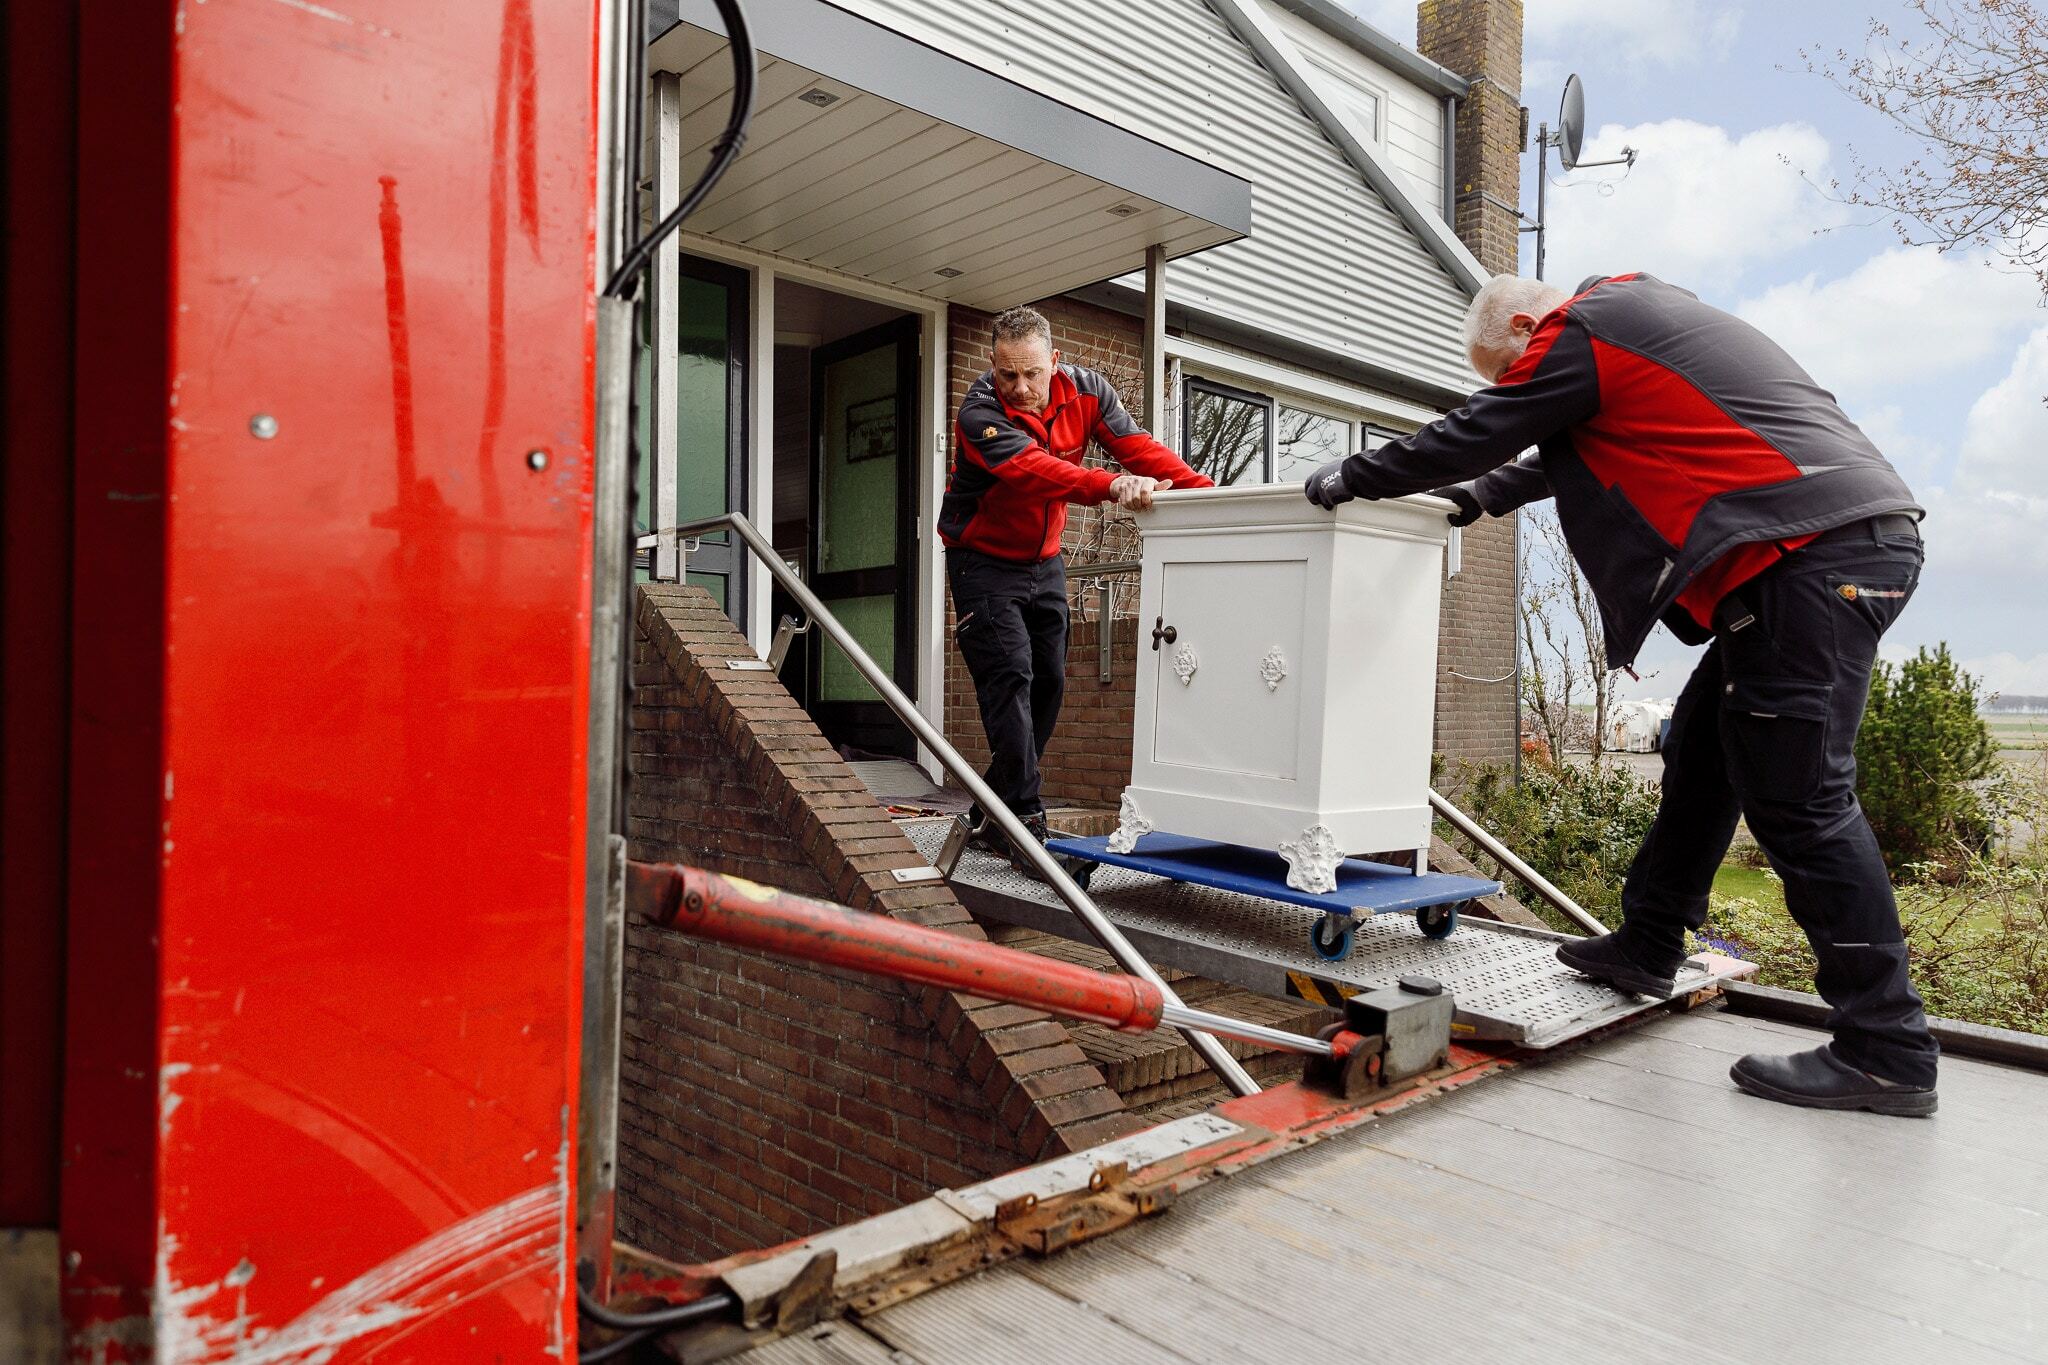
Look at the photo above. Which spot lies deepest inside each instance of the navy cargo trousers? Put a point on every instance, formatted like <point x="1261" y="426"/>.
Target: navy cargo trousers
<point x="1766" y="729"/>
<point x="1010" y="621"/>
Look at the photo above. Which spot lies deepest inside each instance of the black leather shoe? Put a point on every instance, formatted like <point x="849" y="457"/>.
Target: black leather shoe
<point x="1821" y="1080"/>
<point x="1612" y="958"/>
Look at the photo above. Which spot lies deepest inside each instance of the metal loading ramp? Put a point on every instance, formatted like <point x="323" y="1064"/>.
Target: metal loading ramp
<point x="1506" y="979"/>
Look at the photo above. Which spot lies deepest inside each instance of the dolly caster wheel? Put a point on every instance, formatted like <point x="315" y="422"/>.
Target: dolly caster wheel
<point x="1437" y="921"/>
<point x="1331" y="937"/>
<point x="1080" y="869"/>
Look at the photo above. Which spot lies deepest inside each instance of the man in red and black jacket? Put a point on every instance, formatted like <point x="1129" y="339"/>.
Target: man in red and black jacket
<point x="1022" y="430"/>
<point x="1704" y="480"/>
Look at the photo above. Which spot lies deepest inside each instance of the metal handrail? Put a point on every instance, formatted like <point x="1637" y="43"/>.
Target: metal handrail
<point x="1538" y="883"/>
<point x="1104" y="568"/>
<point x="1049" y="871"/>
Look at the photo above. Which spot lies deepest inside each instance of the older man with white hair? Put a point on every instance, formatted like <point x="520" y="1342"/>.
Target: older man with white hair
<point x="1704" y="480"/>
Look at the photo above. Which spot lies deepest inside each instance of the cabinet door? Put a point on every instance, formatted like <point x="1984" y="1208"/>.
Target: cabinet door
<point x="1214" y="706"/>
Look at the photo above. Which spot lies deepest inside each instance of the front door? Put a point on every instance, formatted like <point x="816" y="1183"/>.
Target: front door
<point x="863" y="552"/>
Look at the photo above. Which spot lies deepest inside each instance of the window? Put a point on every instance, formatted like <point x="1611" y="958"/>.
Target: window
<point x="1225" y="432"/>
<point x="1307" y="440"/>
<point x="1241" y="436"/>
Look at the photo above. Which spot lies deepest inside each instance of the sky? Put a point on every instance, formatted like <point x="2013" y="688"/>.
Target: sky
<point x="1941" y="358"/>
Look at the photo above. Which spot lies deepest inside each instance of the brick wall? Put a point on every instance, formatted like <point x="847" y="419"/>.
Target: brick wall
<point x="1089" y="760"/>
<point x="762" y="1100"/>
<point x="1481" y="40"/>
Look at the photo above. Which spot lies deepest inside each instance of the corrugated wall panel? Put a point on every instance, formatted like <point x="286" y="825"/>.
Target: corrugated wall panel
<point x="1413" y="118"/>
<point x="1328" y="263"/>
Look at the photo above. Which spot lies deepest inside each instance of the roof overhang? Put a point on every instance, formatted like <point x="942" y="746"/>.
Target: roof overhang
<point x="924" y="172"/>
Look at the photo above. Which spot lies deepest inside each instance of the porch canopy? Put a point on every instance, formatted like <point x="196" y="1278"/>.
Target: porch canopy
<point x="877" y="156"/>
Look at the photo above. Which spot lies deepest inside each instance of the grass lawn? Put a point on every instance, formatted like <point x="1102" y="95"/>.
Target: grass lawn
<point x="2019" y="732"/>
<point x="1749" y="883"/>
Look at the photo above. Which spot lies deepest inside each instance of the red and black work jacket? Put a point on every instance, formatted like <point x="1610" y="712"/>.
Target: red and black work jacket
<point x="1686" y="451"/>
<point x="1015" y="472"/>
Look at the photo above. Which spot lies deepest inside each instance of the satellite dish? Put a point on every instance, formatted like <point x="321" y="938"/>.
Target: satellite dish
<point x="1571" y="122"/>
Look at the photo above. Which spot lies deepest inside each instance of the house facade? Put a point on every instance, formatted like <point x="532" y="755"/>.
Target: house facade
<point x="914" y="167"/>
<point x="1251" y="215"/>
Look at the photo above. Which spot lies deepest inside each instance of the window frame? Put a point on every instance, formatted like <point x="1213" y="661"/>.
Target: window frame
<point x="1353" y="425"/>
<point x="1191" y="383"/>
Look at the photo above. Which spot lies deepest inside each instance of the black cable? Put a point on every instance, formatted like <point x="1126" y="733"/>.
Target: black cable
<point x="616" y="1346"/>
<point x="640" y="1326"/>
<point x="636" y="112"/>
<point x="723" y="151"/>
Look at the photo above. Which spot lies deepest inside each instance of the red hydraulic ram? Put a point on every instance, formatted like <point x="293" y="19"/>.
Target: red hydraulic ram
<point x="746" y="915"/>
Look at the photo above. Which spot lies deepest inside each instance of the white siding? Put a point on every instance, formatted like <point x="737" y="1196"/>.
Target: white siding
<point x="1328" y="263"/>
<point x="1411" y="130"/>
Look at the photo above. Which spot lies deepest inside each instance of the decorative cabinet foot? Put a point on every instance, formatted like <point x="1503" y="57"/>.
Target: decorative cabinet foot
<point x="1131" y="826"/>
<point x="1312" y="860"/>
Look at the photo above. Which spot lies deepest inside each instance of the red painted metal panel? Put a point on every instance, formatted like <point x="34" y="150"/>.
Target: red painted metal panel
<point x="35" y="593"/>
<point x="374" y="656"/>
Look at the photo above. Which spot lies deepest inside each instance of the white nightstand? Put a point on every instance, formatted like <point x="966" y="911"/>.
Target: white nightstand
<point x="1287" y="662"/>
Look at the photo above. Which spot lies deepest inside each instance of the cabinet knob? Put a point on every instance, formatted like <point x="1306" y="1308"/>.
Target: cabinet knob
<point x="1162" y="631"/>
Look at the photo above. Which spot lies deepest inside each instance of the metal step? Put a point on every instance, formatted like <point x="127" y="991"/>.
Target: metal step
<point x="1507" y="981"/>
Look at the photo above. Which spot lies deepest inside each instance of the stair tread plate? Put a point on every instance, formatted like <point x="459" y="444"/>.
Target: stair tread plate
<point x="1506" y="978"/>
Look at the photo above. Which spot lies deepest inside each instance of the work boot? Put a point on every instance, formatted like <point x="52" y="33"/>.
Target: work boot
<point x="1035" y="826"/>
<point x="1620" y="960"/>
<point x="982" y="834"/>
<point x="1821" y="1080"/>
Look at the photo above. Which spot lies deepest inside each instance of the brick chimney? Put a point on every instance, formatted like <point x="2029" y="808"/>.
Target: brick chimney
<point x="1481" y="40"/>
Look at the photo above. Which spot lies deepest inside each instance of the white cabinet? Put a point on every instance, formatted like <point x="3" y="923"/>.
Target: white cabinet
<point x="1287" y="674"/>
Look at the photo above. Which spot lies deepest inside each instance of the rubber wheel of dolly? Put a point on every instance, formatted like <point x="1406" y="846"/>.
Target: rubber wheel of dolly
<point x="1326" y="948"/>
<point x="1080" y="869"/>
<point x="1437" y="921"/>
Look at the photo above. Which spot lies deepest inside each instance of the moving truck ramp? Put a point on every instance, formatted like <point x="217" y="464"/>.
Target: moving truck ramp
<point x="1506" y="979"/>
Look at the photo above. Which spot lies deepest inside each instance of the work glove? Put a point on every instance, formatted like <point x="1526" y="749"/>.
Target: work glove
<point x="1469" y="509"/>
<point x="1325" y="487"/>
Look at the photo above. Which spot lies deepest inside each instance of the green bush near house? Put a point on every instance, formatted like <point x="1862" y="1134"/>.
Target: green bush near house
<point x="1923" y="759"/>
<point x="1578" y="826"/>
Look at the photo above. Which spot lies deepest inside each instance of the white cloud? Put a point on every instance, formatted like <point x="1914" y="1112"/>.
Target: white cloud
<point x="1916" y="458"/>
<point x="1992" y="517"/>
<point x="1902" y="317"/>
<point x="2007" y="673"/>
<point x="1652" y="32"/>
<point x="1699" y="208"/>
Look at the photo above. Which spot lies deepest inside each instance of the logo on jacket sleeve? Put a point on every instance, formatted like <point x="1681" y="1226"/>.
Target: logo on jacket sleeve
<point x="987" y="433"/>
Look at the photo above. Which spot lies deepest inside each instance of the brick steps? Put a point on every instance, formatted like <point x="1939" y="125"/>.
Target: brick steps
<point x="1158" y="1074"/>
<point x="1160" y="1068"/>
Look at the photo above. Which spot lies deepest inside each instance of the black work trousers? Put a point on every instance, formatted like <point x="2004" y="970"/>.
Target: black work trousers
<point x="1766" y="728"/>
<point x="1010" y="621"/>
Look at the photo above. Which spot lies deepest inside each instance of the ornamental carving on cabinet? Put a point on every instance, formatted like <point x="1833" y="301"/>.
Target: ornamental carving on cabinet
<point x="1184" y="664"/>
<point x="1273" y="668"/>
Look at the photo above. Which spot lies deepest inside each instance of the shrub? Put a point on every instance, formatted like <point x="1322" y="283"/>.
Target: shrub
<point x="1577" y="825"/>
<point x="1922" y="761"/>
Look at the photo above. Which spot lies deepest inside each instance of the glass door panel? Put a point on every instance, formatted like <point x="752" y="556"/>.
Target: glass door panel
<point x="863" y="419"/>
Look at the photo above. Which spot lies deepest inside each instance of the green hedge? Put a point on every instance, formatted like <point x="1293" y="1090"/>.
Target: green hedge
<point x="1578" y="826"/>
